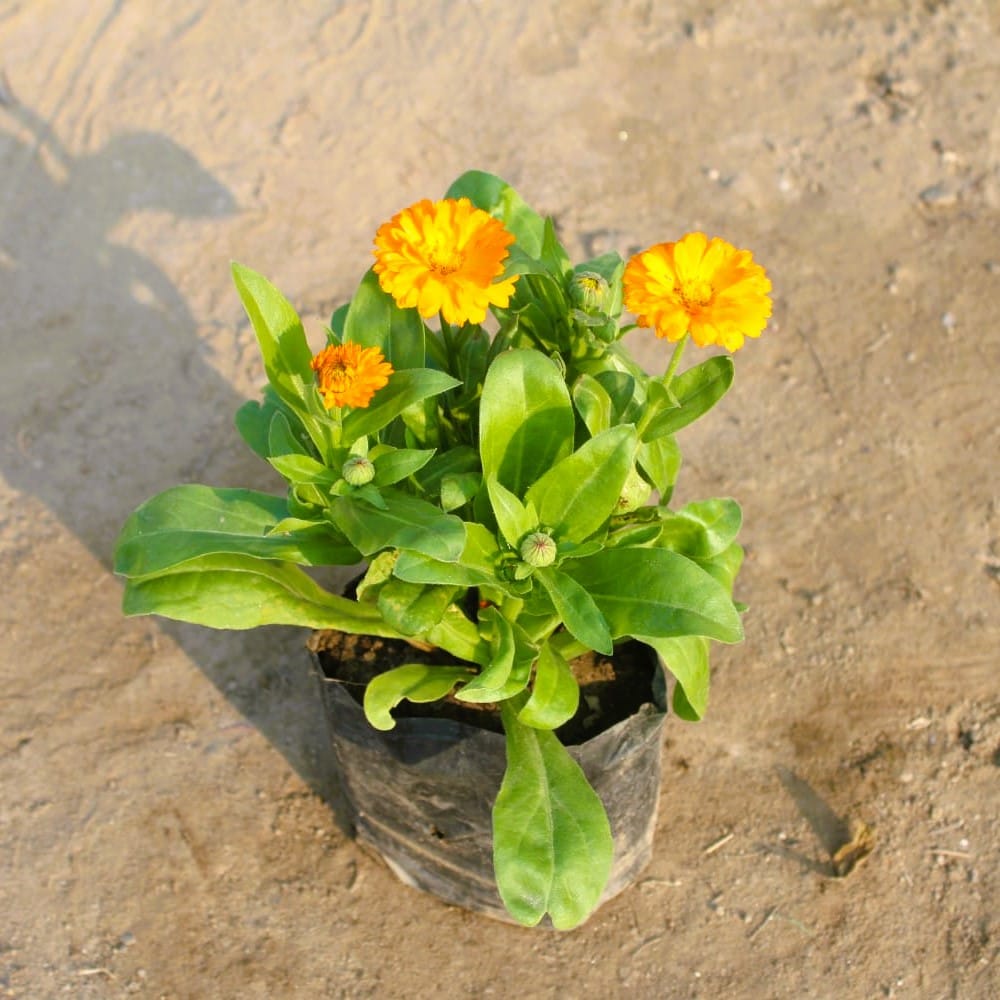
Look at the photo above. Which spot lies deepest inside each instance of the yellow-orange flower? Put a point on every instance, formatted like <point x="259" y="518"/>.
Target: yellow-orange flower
<point x="442" y="256"/>
<point x="349" y="374"/>
<point x="705" y="287"/>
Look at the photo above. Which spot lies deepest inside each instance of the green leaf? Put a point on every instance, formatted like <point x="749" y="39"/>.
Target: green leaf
<point x="406" y="523"/>
<point x="457" y="491"/>
<point x="253" y="421"/>
<point x="337" y="320"/>
<point x="281" y="439"/>
<point x="280" y="335"/>
<point x="697" y="390"/>
<point x="514" y="518"/>
<point x="703" y="529"/>
<point x="459" y="636"/>
<point x="453" y="462"/>
<point x="686" y="657"/>
<point x="555" y="694"/>
<point x="190" y="521"/>
<point x="417" y="682"/>
<point x="592" y="403"/>
<point x="493" y="195"/>
<point x="660" y="460"/>
<point x="475" y="566"/>
<point x="553" y="254"/>
<point x="240" y="592"/>
<point x="552" y="845"/>
<point x="576" y="608"/>
<point x="399" y="463"/>
<point x="621" y="389"/>
<point x="576" y="496"/>
<point x="526" y="419"/>
<point x="303" y="469"/>
<point x="489" y="684"/>
<point x="405" y="388"/>
<point x="656" y="592"/>
<point x="412" y="608"/>
<point x="724" y="567"/>
<point x="374" y="320"/>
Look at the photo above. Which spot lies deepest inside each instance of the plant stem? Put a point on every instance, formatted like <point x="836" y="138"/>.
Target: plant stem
<point x="675" y="360"/>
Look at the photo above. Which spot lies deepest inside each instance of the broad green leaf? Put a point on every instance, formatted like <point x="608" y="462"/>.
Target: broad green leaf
<point x="621" y="389"/>
<point x="417" y="682"/>
<point x="686" y="657"/>
<point x="656" y="592"/>
<point x="453" y="462"/>
<point x="400" y="463"/>
<point x="660" y="460"/>
<point x="379" y="571"/>
<point x="240" y="592"/>
<point x="405" y="388"/>
<point x="487" y="684"/>
<point x="190" y="521"/>
<point x="724" y="566"/>
<point x="475" y="566"/>
<point x="412" y="608"/>
<point x="553" y="254"/>
<point x="282" y="440"/>
<point x="460" y="637"/>
<point x="702" y="529"/>
<point x="493" y="195"/>
<point x="592" y="403"/>
<point x="253" y="421"/>
<point x="555" y="694"/>
<point x="303" y="469"/>
<point x="374" y="320"/>
<point x="458" y="490"/>
<point x="280" y="335"/>
<point x="525" y="420"/>
<point x="576" y="608"/>
<point x="697" y="390"/>
<point x="335" y="334"/>
<point x="576" y="496"/>
<point x="514" y="518"/>
<point x="552" y="845"/>
<point x="406" y="523"/>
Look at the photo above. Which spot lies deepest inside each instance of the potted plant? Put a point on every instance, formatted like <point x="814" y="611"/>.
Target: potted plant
<point x="507" y="494"/>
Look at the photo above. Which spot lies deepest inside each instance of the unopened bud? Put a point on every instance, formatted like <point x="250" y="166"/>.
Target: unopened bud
<point x="538" y="549"/>
<point x="357" y="470"/>
<point x="590" y="292"/>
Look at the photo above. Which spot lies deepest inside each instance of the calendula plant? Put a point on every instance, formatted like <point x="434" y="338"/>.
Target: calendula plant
<point x="532" y="466"/>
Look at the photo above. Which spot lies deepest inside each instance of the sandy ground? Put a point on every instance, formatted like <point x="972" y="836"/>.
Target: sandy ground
<point x="163" y="828"/>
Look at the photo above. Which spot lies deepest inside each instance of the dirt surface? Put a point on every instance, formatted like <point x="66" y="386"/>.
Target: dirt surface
<point x="163" y="829"/>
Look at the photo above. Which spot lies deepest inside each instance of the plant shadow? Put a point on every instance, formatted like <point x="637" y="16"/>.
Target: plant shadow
<point x="831" y="830"/>
<point x="102" y="340"/>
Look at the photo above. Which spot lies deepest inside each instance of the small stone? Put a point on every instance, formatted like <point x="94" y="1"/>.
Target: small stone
<point x="940" y="195"/>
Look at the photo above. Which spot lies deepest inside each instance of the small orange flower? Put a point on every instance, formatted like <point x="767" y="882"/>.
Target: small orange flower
<point x="349" y="374"/>
<point x="705" y="287"/>
<point x="442" y="257"/>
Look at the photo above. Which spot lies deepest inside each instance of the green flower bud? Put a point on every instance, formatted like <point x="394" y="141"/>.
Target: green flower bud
<point x="538" y="549"/>
<point x="357" y="470"/>
<point x="635" y="492"/>
<point x="590" y="292"/>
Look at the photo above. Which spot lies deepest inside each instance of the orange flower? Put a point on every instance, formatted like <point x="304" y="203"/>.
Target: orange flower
<point x="349" y="374"/>
<point x="442" y="257"/>
<point x="705" y="287"/>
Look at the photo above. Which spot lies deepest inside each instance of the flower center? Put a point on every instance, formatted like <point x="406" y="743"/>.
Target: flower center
<point x="696" y="293"/>
<point x="338" y="376"/>
<point x="444" y="258"/>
